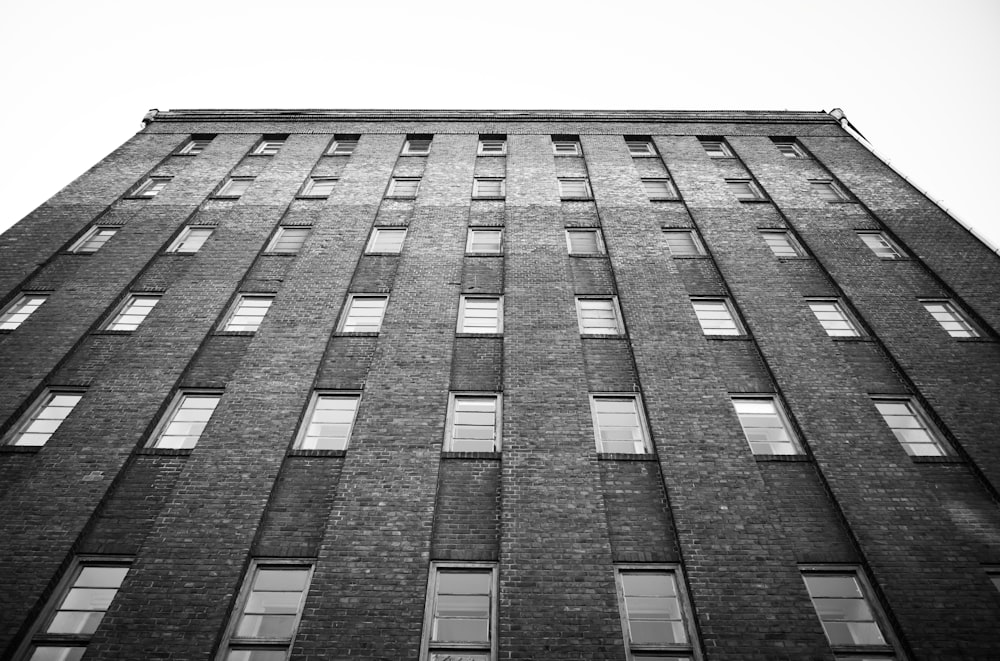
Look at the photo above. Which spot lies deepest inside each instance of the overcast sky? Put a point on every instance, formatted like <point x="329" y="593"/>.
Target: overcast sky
<point x="920" y="79"/>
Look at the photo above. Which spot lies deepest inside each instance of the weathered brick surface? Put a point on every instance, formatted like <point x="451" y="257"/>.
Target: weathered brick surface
<point x="467" y="511"/>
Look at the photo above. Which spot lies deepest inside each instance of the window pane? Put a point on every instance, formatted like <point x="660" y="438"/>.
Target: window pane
<point x="598" y="316"/>
<point x="191" y="240"/>
<point x="364" y="314"/>
<point x="249" y="313"/>
<point x="659" y="189"/>
<point x="257" y="655"/>
<point x="187" y="421"/>
<point x="833" y="319"/>
<point x="289" y="239"/>
<point x="58" y="653"/>
<point x="780" y="244"/>
<point x="329" y="428"/>
<point x="715" y="318"/>
<point x="20" y="310"/>
<point x="764" y="427"/>
<point x="75" y="622"/>
<point x="387" y="240"/>
<point x="583" y="242"/>
<point x="480" y="315"/>
<point x="682" y="243"/>
<point x="484" y="241"/>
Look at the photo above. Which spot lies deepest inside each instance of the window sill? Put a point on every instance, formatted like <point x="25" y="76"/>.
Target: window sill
<point x="112" y="332"/>
<point x="262" y="155"/>
<point x="602" y="336"/>
<point x="166" y="452"/>
<point x="299" y="452"/>
<point x="225" y="197"/>
<point x="279" y="254"/>
<point x="453" y="454"/>
<point x="587" y="255"/>
<point x="781" y="457"/>
<point x="753" y="201"/>
<point x="77" y="253"/>
<point x="728" y="338"/>
<point x="975" y="340"/>
<point x="690" y="256"/>
<point x="489" y="198"/>
<point x="799" y="258"/>
<point x="177" y="254"/>
<point x="356" y="334"/>
<point x="576" y="199"/>
<point x="185" y="155"/>
<point x="664" y="199"/>
<point x="421" y="155"/>
<point x="400" y="197"/>
<point x="138" y="197"/>
<point x="311" y="197"/>
<point x="235" y="333"/>
<point x="493" y="335"/>
<point x="643" y="155"/>
<point x="484" y="254"/>
<point x="851" y="338"/>
<point x="625" y="456"/>
<point x="944" y="459"/>
<point x="895" y="259"/>
<point x="20" y="449"/>
<point x="382" y="254"/>
<point x="504" y="155"/>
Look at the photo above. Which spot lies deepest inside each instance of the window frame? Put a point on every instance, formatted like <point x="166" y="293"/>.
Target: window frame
<point x="429" y="647"/>
<point x="699" y="247"/>
<point x="783" y="416"/>
<point x="895" y="253"/>
<point x="479" y="195"/>
<point x="408" y="147"/>
<point x="193" y="146"/>
<point x="175" y="246"/>
<point x="279" y="234"/>
<point x="794" y="245"/>
<point x="17" y="305"/>
<point x="307" y="418"/>
<point x="670" y="195"/>
<point x="463" y="301"/>
<point x="958" y="315"/>
<point x="150" y="187"/>
<point x="346" y="312"/>
<point x="310" y="185"/>
<point x="176" y="404"/>
<point x="740" y="329"/>
<point x="234" y="308"/>
<point x="481" y="152"/>
<point x="595" y="231"/>
<point x="224" y="191"/>
<point x="469" y="244"/>
<point x="558" y="144"/>
<point x="89" y="235"/>
<point x="927" y="425"/>
<point x="619" y="329"/>
<point x="647" y="439"/>
<point x="122" y="310"/>
<point x="690" y="650"/>
<point x="649" y="148"/>
<point x="449" y="427"/>
<point x="370" y="247"/>
<point x="268" y="146"/>
<point x="752" y="186"/>
<point x="563" y="195"/>
<point x="845" y="313"/>
<point x="834" y="188"/>
<point x="335" y="145"/>
<point x="393" y="185"/>
<point x="795" y="149"/>
<point x="38" y="406"/>
<point x="723" y="150"/>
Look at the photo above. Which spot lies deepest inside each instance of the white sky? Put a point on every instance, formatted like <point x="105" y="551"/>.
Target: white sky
<point x="919" y="78"/>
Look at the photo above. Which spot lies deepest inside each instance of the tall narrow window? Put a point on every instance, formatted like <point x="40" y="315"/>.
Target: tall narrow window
<point x="132" y="313"/>
<point x="881" y="245"/>
<point x="599" y="316"/>
<point x="343" y="145"/>
<point x="765" y="425"/>
<point x="584" y="242"/>
<point x="186" y="419"/>
<point x="781" y="243"/>
<point x="480" y="314"/>
<point x="716" y="316"/>
<point x="386" y="239"/>
<point x="574" y="188"/>
<point x="405" y="187"/>
<point x="683" y="243"/>
<point x="319" y="186"/>
<point x="44" y="417"/>
<point x="417" y="146"/>
<point x="833" y="317"/>
<point x="269" y="146"/>
<point x="151" y="187"/>
<point x="846" y="611"/>
<point x="489" y="187"/>
<point x="660" y="189"/>
<point x="911" y="426"/>
<point x="655" y="615"/>
<point x="950" y="318"/>
<point x="18" y="312"/>
<point x="460" y="621"/>
<point x="640" y="146"/>
<point x="716" y="147"/>
<point x="565" y="146"/>
<point x="619" y="425"/>
<point x="267" y="615"/>
<point x="190" y="240"/>
<point x="93" y="240"/>
<point x="789" y="147"/>
<point x="195" y="146"/>
<point x="484" y="241"/>
<point x="492" y="146"/>
<point x="473" y="423"/>
<point x="247" y="313"/>
<point x="235" y="187"/>
<point x="288" y="240"/>
<point x="828" y="190"/>
<point x="328" y="422"/>
<point x="745" y="190"/>
<point x="363" y="314"/>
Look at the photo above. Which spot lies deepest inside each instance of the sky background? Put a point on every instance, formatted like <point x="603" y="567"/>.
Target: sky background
<point x="919" y="79"/>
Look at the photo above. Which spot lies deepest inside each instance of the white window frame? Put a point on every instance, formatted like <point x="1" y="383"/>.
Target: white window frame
<point x="958" y="317"/>
<point x="937" y="440"/>
<point x="793" y="245"/>
<point x="430" y="648"/>
<point x="566" y="148"/>
<point x="176" y="404"/>
<point x="394" y="184"/>
<point x="483" y="149"/>
<point x="646" y="440"/>
<point x="634" y="651"/>
<point x="470" y="244"/>
<point x="881" y="245"/>
<point x="619" y="328"/>
<point x="349" y="304"/>
<point x="462" y="307"/>
<point x="890" y="649"/>
<point x="585" y="230"/>
<point x="125" y="309"/>
<point x="307" y="420"/>
<point x="16" y="308"/>
<point x="755" y="194"/>
<point x="279" y="234"/>
<point x="453" y="397"/>
<point x="233" y="643"/>
<point x="269" y="146"/>
<point x="195" y="146"/>
<point x="699" y="248"/>
<point x="15" y="434"/>
<point x="477" y="188"/>
<point x="185" y="235"/>
<point x="588" y="195"/>
<point x="738" y="329"/>
<point x="339" y="146"/>
<point x="782" y="415"/>
<point x="372" y="247"/>
<point x="229" y="183"/>
<point x="409" y="149"/>
<point x="829" y="191"/>
<point x="88" y="236"/>
<point x="151" y="187"/>
<point x="312" y="183"/>
<point x="716" y="148"/>
<point x="237" y="307"/>
<point x="793" y="148"/>
<point x="839" y="308"/>
<point x="633" y="145"/>
<point x="671" y="190"/>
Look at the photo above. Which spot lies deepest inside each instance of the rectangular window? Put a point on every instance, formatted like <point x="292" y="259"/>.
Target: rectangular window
<point x="195" y="146"/>
<point x="656" y="619"/>
<point x="473" y="423"/>
<point x="716" y="147"/>
<point x="247" y="313"/>
<point x="44" y="417"/>
<point x="660" y="189"/>
<point x="132" y="312"/>
<point x="951" y="318"/>
<point x="460" y="622"/>
<point x="191" y="239"/>
<point x="745" y="190"/>
<point x="584" y="242"/>
<point x="828" y="190"/>
<point x="789" y="147"/>
<point x="267" y="614"/>
<point x="93" y="239"/>
<point x="492" y="146"/>
<point x="574" y="188"/>
<point x="18" y="312"/>
<point x="328" y="422"/>
<point x="343" y="145"/>
<point x="640" y="146"/>
<point x="881" y="245"/>
<point x="417" y="145"/>
<point x="484" y="241"/>
<point x="319" y="186"/>
<point x="599" y="316"/>
<point x="363" y="314"/>
<point x="848" y="615"/>
<point x="76" y="610"/>
<point x="235" y="187"/>
<point x="566" y="146"/>
<point x="488" y="187"/>
<point x="186" y="419"/>
<point x="151" y="187"/>
<point x="619" y="425"/>
<point x="386" y="239"/>
<point x="765" y="425"/>
<point x="269" y="146"/>
<point x="480" y="314"/>
<point x="833" y="317"/>
<point x="716" y="316"/>
<point x="913" y="429"/>
<point x="288" y="240"/>
<point x="683" y="243"/>
<point x="404" y="187"/>
<point x="781" y="243"/>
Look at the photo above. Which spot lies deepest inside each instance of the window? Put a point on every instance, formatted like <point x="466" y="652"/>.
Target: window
<point x="191" y="239"/>
<point x="913" y="429"/>
<point x="848" y="615"/>
<point x="288" y="240"/>
<point x="659" y="189"/>
<point x="828" y="190"/>
<point x="417" y="146"/>
<point x="363" y="314"/>
<point x="473" y="423"/>
<point x="833" y="317"/>
<point x="640" y="146"/>
<point x="151" y="187"/>
<point x="235" y="187"/>
<point x="745" y="190"/>
<point x="186" y="419"/>
<point x="492" y="146"/>
<point x="619" y="425"/>
<point x="881" y="245"/>
<point x="343" y="145"/>
<point x="789" y="147"/>
<point x="267" y="615"/>
<point x="484" y="241"/>
<point x="716" y="316"/>
<point x="93" y="239"/>
<point x="133" y="311"/>
<point x="765" y="425"/>
<point x="655" y="614"/>
<point x="404" y="186"/>
<point x="480" y="314"/>
<point x="994" y="575"/>
<point x="44" y="417"/>
<point x="269" y="146"/>
<point x="319" y="186"/>
<point x="574" y="188"/>
<point x="492" y="187"/>
<point x="781" y="243"/>
<point x="599" y="316"/>
<point x="19" y="311"/>
<point x="195" y="146"/>
<point x="328" y="422"/>
<point x="584" y="242"/>
<point x="460" y="622"/>
<point x="76" y="610"/>
<point x="566" y="146"/>
<point x="683" y="243"/>
<point x="247" y="313"/>
<point x="386" y="239"/>
<point x="716" y="147"/>
<point x="950" y="318"/>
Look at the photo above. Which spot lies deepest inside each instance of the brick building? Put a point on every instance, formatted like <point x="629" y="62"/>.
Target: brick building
<point x="497" y="385"/>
